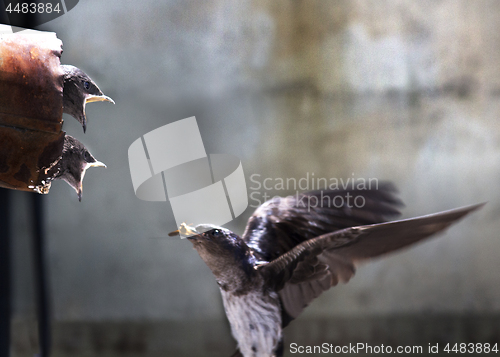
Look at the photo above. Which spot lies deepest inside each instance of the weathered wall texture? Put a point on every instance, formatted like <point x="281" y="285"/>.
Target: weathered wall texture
<point x="400" y="90"/>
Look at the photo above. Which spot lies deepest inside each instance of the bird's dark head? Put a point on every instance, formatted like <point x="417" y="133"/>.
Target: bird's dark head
<point x="74" y="162"/>
<point x="219" y="247"/>
<point x="215" y="240"/>
<point x="79" y="89"/>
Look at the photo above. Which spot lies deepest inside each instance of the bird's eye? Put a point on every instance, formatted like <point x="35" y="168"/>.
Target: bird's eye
<point x="88" y="158"/>
<point x="216" y="232"/>
<point x="86" y="85"/>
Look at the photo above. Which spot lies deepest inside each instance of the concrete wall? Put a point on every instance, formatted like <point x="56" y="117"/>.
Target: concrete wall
<point x="397" y="90"/>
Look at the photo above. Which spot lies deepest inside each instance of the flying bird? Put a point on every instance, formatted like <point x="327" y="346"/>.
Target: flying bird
<point x="79" y="89"/>
<point x="290" y="252"/>
<point x="74" y="162"/>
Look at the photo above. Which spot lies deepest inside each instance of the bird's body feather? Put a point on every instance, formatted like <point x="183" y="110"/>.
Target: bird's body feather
<point x="255" y="320"/>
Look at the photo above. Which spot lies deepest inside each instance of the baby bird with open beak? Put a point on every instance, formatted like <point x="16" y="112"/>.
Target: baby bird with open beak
<point x="73" y="164"/>
<point x="79" y="89"/>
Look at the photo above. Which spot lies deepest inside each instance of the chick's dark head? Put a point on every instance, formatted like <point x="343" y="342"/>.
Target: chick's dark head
<point x="79" y="89"/>
<point x="74" y="162"/>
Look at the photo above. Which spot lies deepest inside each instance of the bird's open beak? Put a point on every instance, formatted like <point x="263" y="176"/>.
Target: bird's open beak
<point x="98" y="98"/>
<point x="90" y="99"/>
<point x="79" y="188"/>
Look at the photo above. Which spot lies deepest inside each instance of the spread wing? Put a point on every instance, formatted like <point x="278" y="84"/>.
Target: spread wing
<point x="304" y="272"/>
<point x="280" y="224"/>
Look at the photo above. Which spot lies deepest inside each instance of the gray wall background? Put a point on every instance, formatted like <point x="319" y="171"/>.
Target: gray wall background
<point x="397" y="90"/>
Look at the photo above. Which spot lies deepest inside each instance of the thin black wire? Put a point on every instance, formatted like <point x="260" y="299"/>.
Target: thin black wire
<point x="41" y="280"/>
<point x="5" y="272"/>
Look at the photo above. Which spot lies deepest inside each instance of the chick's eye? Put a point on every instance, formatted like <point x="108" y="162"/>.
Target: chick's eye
<point x="216" y="232"/>
<point x="88" y="158"/>
<point x="86" y="85"/>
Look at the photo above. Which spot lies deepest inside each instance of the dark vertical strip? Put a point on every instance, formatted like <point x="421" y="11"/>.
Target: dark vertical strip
<point x="228" y="198"/>
<point x="164" y="184"/>
<point x="41" y="280"/>
<point x="4" y="19"/>
<point x="5" y="272"/>
<point x="64" y="6"/>
<point x="211" y="168"/>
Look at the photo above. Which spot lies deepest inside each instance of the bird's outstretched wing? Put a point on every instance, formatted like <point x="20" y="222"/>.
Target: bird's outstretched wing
<point x="303" y="273"/>
<point x="280" y="224"/>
